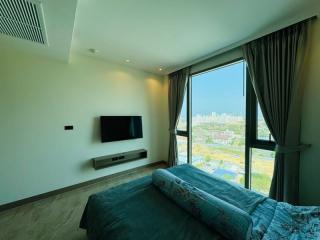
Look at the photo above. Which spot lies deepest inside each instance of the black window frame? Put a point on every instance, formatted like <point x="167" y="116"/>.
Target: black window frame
<point x="187" y="133"/>
<point x="251" y="138"/>
<point x="251" y="122"/>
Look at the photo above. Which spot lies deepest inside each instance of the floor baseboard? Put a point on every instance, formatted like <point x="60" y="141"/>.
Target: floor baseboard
<point x="75" y="186"/>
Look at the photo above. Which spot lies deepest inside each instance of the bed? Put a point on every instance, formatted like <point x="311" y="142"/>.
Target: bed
<point x="139" y="210"/>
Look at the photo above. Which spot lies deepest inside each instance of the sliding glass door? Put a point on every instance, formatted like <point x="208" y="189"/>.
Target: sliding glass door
<point x="218" y="122"/>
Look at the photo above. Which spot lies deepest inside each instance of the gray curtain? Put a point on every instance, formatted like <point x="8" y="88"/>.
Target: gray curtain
<point x="177" y="88"/>
<point x="274" y="64"/>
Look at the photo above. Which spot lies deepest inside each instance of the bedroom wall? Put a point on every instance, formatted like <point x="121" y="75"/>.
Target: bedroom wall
<point x="310" y="159"/>
<point x="38" y="97"/>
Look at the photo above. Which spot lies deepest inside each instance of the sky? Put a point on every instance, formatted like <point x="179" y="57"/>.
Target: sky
<point x="219" y="91"/>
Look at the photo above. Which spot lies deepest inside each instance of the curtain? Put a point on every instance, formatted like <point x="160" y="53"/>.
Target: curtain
<point x="177" y="88"/>
<point x="274" y="64"/>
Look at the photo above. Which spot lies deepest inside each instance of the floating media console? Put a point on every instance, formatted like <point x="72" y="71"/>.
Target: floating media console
<point x="110" y="160"/>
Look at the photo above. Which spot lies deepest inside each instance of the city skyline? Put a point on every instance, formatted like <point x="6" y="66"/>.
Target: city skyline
<point x="220" y="91"/>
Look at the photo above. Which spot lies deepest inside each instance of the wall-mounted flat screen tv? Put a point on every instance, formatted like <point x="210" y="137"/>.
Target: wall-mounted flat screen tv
<point x="117" y="128"/>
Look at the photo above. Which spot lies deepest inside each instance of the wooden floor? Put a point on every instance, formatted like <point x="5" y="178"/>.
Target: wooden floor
<point x="58" y="217"/>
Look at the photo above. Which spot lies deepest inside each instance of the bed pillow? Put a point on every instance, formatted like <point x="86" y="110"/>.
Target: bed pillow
<point x="226" y="219"/>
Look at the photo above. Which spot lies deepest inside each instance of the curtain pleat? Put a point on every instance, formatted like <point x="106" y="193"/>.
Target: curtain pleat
<point x="274" y="64"/>
<point x="177" y="88"/>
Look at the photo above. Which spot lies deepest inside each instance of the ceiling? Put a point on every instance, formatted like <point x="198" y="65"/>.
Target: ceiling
<point x="153" y="34"/>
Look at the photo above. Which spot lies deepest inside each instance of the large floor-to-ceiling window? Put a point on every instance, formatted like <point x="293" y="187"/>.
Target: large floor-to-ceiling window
<point x="222" y="130"/>
<point x="218" y="121"/>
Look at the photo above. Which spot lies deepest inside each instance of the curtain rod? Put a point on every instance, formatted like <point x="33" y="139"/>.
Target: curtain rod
<point x="242" y="42"/>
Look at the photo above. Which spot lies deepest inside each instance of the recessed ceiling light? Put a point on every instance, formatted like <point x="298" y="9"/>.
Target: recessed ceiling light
<point x="127" y="60"/>
<point x="93" y="50"/>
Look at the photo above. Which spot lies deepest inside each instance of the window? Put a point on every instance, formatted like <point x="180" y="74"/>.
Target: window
<point x="259" y="146"/>
<point x="218" y="122"/>
<point x="182" y="124"/>
<point x="222" y="131"/>
<point x="262" y="128"/>
<point x="182" y="149"/>
<point x="262" y="162"/>
<point x="182" y="132"/>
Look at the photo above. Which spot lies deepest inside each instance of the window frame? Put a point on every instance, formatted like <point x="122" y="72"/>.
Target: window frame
<point x="251" y="121"/>
<point x="187" y="133"/>
<point x="189" y="100"/>
<point x="251" y="138"/>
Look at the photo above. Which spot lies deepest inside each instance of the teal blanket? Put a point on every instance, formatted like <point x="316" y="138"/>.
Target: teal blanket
<point x="294" y="223"/>
<point x="139" y="210"/>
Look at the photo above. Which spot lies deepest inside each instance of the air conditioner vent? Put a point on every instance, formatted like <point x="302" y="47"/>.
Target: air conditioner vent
<point x="23" y="19"/>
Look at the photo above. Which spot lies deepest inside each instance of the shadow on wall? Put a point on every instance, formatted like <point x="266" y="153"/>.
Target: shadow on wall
<point x="86" y="165"/>
<point x="158" y="112"/>
<point x="96" y="130"/>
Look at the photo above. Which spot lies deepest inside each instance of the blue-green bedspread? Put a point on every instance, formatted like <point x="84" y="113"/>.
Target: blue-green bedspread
<point x="138" y="210"/>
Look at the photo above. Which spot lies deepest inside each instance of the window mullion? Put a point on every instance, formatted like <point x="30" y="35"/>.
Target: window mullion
<point x="256" y="177"/>
<point x="251" y="128"/>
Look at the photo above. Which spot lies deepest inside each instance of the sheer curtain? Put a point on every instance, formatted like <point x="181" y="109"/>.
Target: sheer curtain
<point x="177" y="88"/>
<point x="274" y="64"/>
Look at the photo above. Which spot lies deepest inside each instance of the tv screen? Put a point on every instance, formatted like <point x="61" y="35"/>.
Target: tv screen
<point x="117" y="128"/>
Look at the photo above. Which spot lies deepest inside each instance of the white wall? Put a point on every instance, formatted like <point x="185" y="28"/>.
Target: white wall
<point x="310" y="159"/>
<point x="39" y="96"/>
